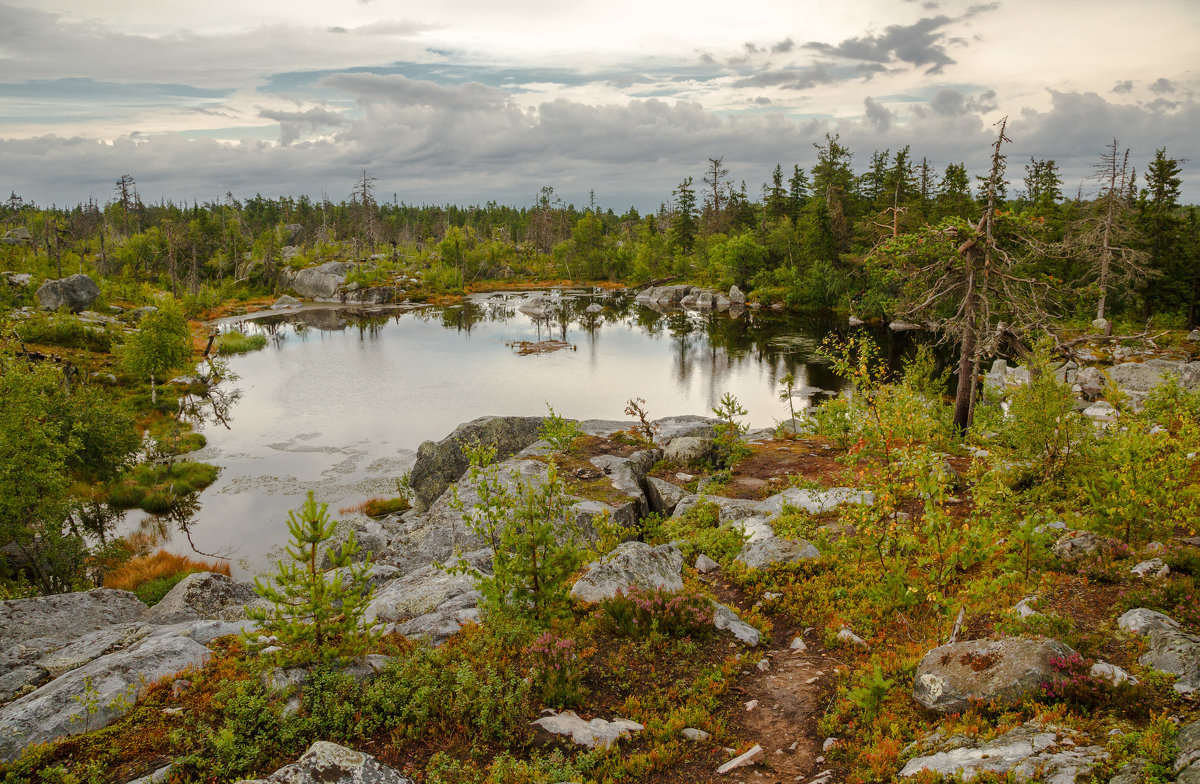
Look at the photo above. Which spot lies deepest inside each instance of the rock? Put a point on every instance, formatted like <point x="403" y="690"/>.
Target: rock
<point x="322" y="281"/>
<point x="75" y="293"/>
<point x="1099" y="323"/>
<point x="798" y="645"/>
<point x="669" y="428"/>
<point x="48" y="623"/>
<point x="594" y="308"/>
<point x="1024" y="608"/>
<point x="663" y="496"/>
<point x="689" y="450"/>
<point x="1141" y="620"/>
<point x="90" y="647"/>
<point x="439" y="464"/>
<point x="285" y="302"/>
<point x="56" y="710"/>
<point x="18" y="280"/>
<point x="1006" y="670"/>
<point x="736" y="297"/>
<point x="631" y="564"/>
<point x="663" y="297"/>
<point x="372" y="536"/>
<point x="776" y="550"/>
<point x="18" y="236"/>
<point x="1077" y="545"/>
<point x="704" y="564"/>
<point x="691" y="733"/>
<point x="329" y="763"/>
<point x="205" y="595"/>
<point x="427" y="603"/>
<point x="292" y="232"/>
<point x="903" y="326"/>
<point x="1175" y="652"/>
<point x="749" y="758"/>
<point x="1022" y="753"/>
<point x="1153" y="567"/>
<point x="725" y="619"/>
<point x="157" y="777"/>
<point x="1187" y="760"/>
<point x="1131" y="772"/>
<point x="848" y="637"/>
<point x="815" y="501"/>
<point x="1111" y="673"/>
<point x="627" y="475"/>
<point x="854" y="321"/>
<point x="1194" y="336"/>
<point x="1091" y="382"/>
<point x="1101" y="411"/>
<point x="596" y="733"/>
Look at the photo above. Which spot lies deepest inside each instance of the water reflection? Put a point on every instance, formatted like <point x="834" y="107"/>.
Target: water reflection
<point x="339" y="400"/>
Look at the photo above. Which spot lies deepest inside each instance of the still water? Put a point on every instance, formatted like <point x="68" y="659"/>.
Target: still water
<point x="338" y="403"/>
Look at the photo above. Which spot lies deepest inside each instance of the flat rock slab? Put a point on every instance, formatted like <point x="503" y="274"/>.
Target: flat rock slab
<point x="1027" y="751"/>
<point x="65" y="617"/>
<point x="329" y="763"/>
<point x="596" y="733"/>
<point x="775" y="550"/>
<point x="112" y="681"/>
<point x="725" y="619"/>
<point x="1006" y="670"/>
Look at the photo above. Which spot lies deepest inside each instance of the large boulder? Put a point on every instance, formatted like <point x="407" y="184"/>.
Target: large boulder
<point x="628" y="475"/>
<point x="204" y="595"/>
<point x="75" y="293"/>
<point x="663" y="496"/>
<point x="631" y="564"/>
<point x="322" y="281"/>
<point x="329" y="763"/>
<point x="1176" y="652"/>
<point x="47" y="623"/>
<point x="689" y="450"/>
<point x="440" y="464"/>
<point x="596" y="733"/>
<point x="1005" y="670"/>
<point x="1187" y="760"/>
<point x="774" y="550"/>
<point x="292" y="233"/>
<point x="94" y="695"/>
<point x="1136" y="379"/>
<point x="1080" y="545"/>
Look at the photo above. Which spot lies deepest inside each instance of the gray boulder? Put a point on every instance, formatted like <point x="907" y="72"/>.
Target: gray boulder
<point x="322" y="281"/>
<point x="75" y="293"/>
<point x="736" y="297"/>
<point x="628" y="474"/>
<point x="1078" y="545"/>
<point x="1175" y="652"/>
<point x="1027" y="752"/>
<point x="48" y="623"/>
<point x="57" y="709"/>
<point x="689" y="450"/>
<point x="18" y="236"/>
<point x="292" y="233"/>
<point x="286" y="302"/>
<point x="440" y="464"/>
<point x="204" y="595"/>
<point x="1187" y="759"/>
<point x="1141" y="620"/>
<point x="669" y="428"/>
<point x="775" y="550"/>
<point x="329" y="763"/>
<point x="725" y="619"/>
<point x="663" y="496"/>
<point x="1006" y="670"/>
<point x="815" y="501"/>
<point x="420" y="593"/>
<point x="663" y="297"/>
<point x="593" y="734"/>
<point x="631" y="564"/>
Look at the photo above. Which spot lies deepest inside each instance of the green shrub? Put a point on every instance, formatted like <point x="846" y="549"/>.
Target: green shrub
<point x="66" y="331"/>
<point x="559" y="431"/>
<point x="158" y="487"/>
<point x="728" y="446"/>
<point x="641" y="612"/>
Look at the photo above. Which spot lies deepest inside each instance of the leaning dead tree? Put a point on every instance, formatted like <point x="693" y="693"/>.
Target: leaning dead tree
<point x="969" y="278"/>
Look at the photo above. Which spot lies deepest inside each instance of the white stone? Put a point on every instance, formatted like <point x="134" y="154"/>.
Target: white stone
<point x="749" y="758"/>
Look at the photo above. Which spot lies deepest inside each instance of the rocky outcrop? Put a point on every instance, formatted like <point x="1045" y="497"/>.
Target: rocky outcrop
<point x="329" y="763"/>
<point x="1078" y="545"/>
<point x="1029" y="751"/>
<point x="593" y="734"/>
<point x="204" y="595"/>
<point x="18" y="236"/>
<point x="75" y="293"/>
<point x="322" y="281"/>
<point x="1005" y="670"/>
<point x="428" y="602"/>
<point x="663" y="496"/>
<point x="112" y="681"/>
<point x="689" y="450"/>
<point x="440" y="464"/>
<point x="1168" y="648"/>
<point x="631" y="564"/>
<point x="1142" y="620"/>
<point x="663" y="297"/>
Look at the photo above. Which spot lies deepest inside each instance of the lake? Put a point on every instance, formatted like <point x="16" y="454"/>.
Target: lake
<point x="338" y="403"/>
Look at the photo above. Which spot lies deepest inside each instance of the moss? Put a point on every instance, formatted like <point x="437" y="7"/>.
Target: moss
<point x="239" y="343"/>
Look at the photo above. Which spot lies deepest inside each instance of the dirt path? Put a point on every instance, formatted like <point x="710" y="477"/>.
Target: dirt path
<point x="786" y="694"/>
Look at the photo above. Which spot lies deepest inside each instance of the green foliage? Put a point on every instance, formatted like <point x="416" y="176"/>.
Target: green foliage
<point x="317" y="614"/>
<point x="439" y="279"/>
<point x="152" y="592"/>
<point x="559" y="431"/>
<point x="870" y="692"/>
<point x="161" y="344"/>
<point x="557" y="667"/>
<point x="239" y="343"/>
<point x="697" y="531"/>
<point x="66" y="331"/>
<point x="642" y="612"/>
<point x="728" y="446"/>
<point x="158" y="487"/>
<point x="532" y="534"/>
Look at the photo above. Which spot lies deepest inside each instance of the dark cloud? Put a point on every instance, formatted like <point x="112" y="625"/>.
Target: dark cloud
<point x="399" y="90"/>
<point x="802" y="78"/>
<point x="1162" y="86"/>
<point x="1123" y="87"/>
<point x="1162" y="104"/>
<point x="762" y="100"/>
<point x="949" y="102"/>
<point x="751" y="48"/>
<point x="292" y="125"/>
<point x="918" y="44"/>
<point x="784" y="46"/>
<point x="981" y="8"/>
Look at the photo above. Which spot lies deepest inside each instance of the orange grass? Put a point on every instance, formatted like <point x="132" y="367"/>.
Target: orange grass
<point x="137" y="571"/>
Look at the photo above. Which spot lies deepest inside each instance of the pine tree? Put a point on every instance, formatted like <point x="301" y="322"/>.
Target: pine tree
<point x="317" y="614"/>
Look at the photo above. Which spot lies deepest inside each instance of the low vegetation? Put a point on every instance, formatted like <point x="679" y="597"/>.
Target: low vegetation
<point x="152" y="576"/>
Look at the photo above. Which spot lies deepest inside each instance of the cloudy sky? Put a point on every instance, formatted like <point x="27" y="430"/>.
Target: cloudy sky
<point x="467" y="101"/>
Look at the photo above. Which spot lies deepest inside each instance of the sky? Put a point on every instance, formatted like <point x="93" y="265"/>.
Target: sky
<point x="470" y="101"/>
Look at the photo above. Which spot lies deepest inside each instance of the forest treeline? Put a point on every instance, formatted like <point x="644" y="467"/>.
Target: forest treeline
<point x="809" y="238"/>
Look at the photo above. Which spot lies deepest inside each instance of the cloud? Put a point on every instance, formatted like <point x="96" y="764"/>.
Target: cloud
<point x="1125" y="86"/>
<point x="400" y="90"/>
<point x="793" y="78"/>
<point x="293" y="124"/>
<point x="918" y="44"/>
<point x="1162" y="86"/>
<point x="783" y="47"/>
<point x="949" y="102"/>
<point x="877" y="114"/>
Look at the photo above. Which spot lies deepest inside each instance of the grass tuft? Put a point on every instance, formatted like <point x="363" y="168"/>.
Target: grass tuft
<point x="239" y="343"/>
<point x="152" y="576"/>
